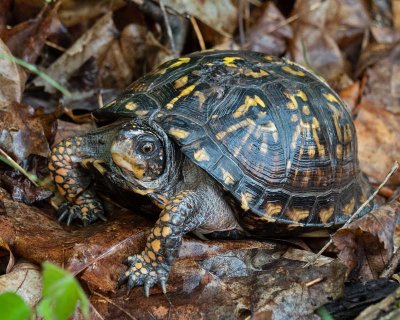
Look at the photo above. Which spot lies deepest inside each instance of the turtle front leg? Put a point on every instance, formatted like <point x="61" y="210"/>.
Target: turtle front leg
<point x="180" y="216"/>
<point x="73" y="183"/>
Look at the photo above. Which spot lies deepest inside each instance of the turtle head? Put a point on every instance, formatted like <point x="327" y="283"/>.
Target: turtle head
<point x="138" y="150"/>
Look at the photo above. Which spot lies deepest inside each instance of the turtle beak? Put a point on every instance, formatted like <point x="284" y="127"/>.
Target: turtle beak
<point x="123" y="157"/>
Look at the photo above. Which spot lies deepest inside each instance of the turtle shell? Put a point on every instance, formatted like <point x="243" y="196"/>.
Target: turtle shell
<point x="270" y="132"/>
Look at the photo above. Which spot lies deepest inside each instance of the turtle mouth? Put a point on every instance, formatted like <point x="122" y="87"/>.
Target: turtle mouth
<point x="129" y="163"/>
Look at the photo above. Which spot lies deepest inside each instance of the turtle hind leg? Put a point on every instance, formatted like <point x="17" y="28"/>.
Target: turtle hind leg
<point x="73" y="182"/>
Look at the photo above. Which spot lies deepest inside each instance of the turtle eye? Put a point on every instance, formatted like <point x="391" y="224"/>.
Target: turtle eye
<point x="146" y="147"/>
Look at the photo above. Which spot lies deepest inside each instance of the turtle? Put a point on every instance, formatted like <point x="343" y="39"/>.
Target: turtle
<point x="227" y="143"/>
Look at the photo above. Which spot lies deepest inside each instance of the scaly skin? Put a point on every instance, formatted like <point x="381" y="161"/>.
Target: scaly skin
<point x="73" y="183"/>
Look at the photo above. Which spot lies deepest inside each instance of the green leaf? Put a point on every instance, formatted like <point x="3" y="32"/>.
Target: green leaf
<point x="13" y="307"/>
<point x="324" y="314"/>
<point x="61" y="294"/>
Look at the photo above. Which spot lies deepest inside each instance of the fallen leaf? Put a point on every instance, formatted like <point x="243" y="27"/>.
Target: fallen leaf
<point x="378" y="148"/>
<point x="12" y="78"/>
<point x="263" y="36"/>
<point x="366" y="245"/>
<point x="25" y="280"/>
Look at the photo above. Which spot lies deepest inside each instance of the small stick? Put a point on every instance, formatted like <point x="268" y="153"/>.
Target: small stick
<point x="169" y="30"/>
<point x="18" y="167"/>
<point x="294" y="17"/>
<point x="394" y="168"/>
<point x="315" y="281"/>
<point x="198" y="33"/>
<point x="392" y="266"/>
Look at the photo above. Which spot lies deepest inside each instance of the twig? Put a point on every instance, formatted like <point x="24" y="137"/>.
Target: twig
<point x="240" y="23"/>
<point x="296" y="16"/>
<point x="392" y="266"/>
<point x="168" y="27"/>
<point x="392" y="171"/>
<point x="18" y="167"/>
<point x="198" y="33"/>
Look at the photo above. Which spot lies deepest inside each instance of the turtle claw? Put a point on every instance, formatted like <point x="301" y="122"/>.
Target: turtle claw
<point x="144" y="273"/>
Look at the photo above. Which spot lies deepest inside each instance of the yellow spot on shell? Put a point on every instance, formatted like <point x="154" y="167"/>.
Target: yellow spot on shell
<point x="264" y="148"/>
<point x="259" y="74"/>
<point x="306" y="110"/>
<point x="244" y="123"/>
<point x="178" y="133"/>
<point x="292" y="71"/>
<point x="179" y="62"/>
<point x="326" y="214"/>
<point x="182" y="94"/>
<point x="201" y="155"/>
<point x="248" y="102"/>
<point x="298" y="214"/>
<point x="273" y="208"/>
<point x="330" y="97"/>
<point x="156" y="245"/>
<point x="339" y="151"/>
<point x="301" y="95"/>
<point x="228" y="61"/>
<point x="131" y="106"/>
<point x="311" y="151"/>
<point x="200" y="95"/>
<point x="228" y="178"/>
<point x="181" y="82"/>
<point x="294" y="118"/>
<point x="349" y="207"/>
<point x="245" y="198"/>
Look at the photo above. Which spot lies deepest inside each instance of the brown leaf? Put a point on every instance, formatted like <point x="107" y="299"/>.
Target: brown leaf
<point x="382" y="87"/>
<point x="92" y="44"/>
<point x="12" y="79"/>
<point x="264" y="38"/>
<point x="366" y="245"/>
<point x="32" y="33"/>
<point x="218" y="15"/>
<point x="378" y="148"/>
<point x="5" y="7"/>
<point x="25" y="131"/>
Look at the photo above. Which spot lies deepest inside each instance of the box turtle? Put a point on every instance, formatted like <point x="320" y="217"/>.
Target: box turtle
<point x="228" y="143"/>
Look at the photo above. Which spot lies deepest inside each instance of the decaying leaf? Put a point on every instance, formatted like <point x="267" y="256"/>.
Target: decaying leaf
<point x="25" y="131"/>
<point x="25" y="280"/>
<point x="378" y="141"/>
<point x="264" y="38"/>
<point x="366" y="244"/>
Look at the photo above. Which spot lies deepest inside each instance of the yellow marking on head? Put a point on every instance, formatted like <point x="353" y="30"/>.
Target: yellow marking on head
<point x="273" y="208"/>
<point x="157" y="231"/>
<point x="166" y="231"/>
<point x="244" y="200"/>
<point x="99" y="167"/>
<point x="201" y="155"/>
<point x="298" y="214"/>
<point x="349" y="207"/>
<point x="264" y="148"/>
<point x="228" y="178"/>
<point x="151" y="255"/>
<point x="178" y="133"/>
<point x="179" y="62"/>
<point x="165" y="217"/>
<point x="182" y="94"/>
<point x="200" y="95"/>
<point x="59" y="179"/>
<point x="292" y="71"/>
<point x="244" y="123"/>
<point x="330" y="97"/>
<point x="131" y="106"/>
<point x="228" y="61"/>
<point x="326" y="214"/>
<point x="156" y="245"/>
<point x="181" y="82"/>
<point x="248" y="102"/>
<point x="311" y="151"/>
<point x="259" y="74"/>
<point x="294" y="118"/>
<point x="339" y="151"/>
<point x="306" y="110"/>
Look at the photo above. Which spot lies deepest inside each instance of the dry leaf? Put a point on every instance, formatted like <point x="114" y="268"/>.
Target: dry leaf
<point x="366" y="245"/>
